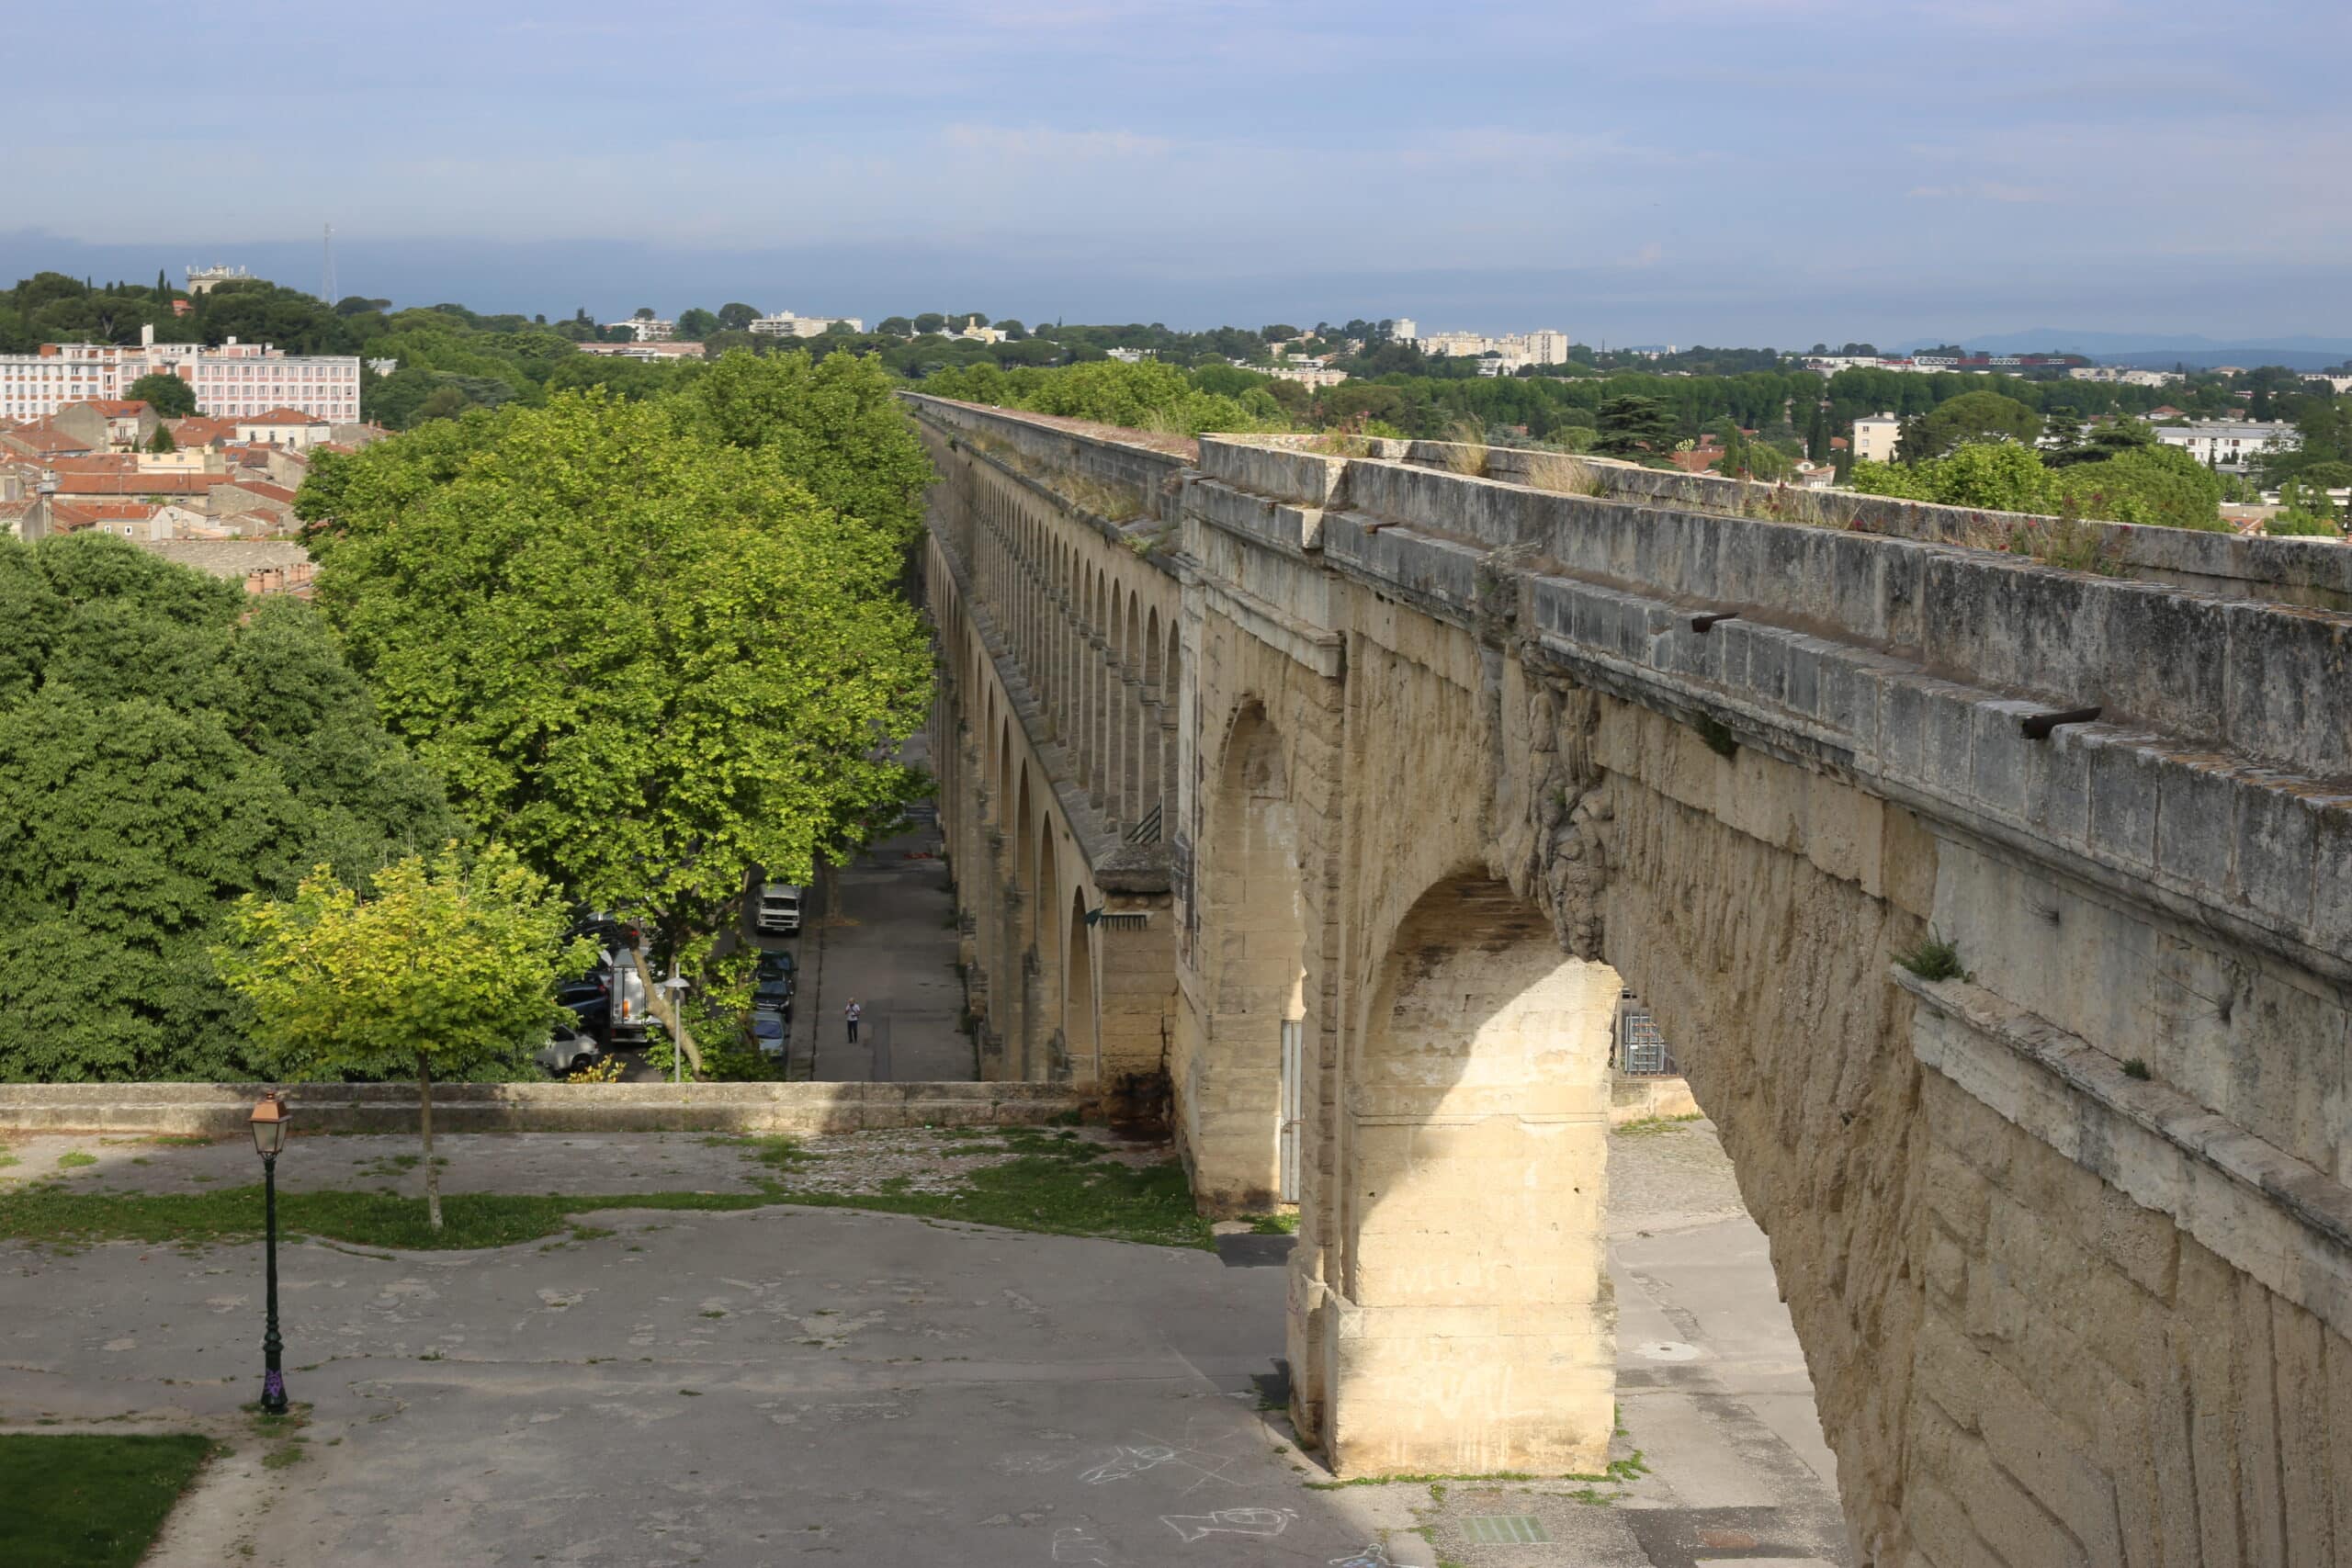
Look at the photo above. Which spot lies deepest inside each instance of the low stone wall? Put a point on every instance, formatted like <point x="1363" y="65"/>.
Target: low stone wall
<point x="216" y="1109"/>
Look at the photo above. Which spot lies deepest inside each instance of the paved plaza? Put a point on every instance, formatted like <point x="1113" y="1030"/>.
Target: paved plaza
<point x="787" y="1383"/>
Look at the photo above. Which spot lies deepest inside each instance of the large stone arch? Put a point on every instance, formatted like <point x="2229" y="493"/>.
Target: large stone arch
<point x="1253" y="964"/>
<point x="1470" y="1169"/>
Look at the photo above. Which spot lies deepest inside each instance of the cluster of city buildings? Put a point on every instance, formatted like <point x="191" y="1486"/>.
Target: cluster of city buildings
<point x="233" y="379"/>
<point x="1940" y="364"/>
<point x="784" y="323"/>
<point x="1502" y="355"/>
<point x="220" y="480"/>
<point x="2228" y="444"/>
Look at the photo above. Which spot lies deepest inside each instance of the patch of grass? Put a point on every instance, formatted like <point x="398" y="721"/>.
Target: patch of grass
<point x="8" y="1160"/>
<point x="1427" y="1480"/>
<point x="68" y="1500"/>
<point x="1931" y="958"/>
<point x="74" y="1159"/>
<point x="1059" y="1184"/>
<point x="47" y="1214"/>
<point x="1651" y="1126"/>
<point x="1274" y="1225"/>
<point x="2136" y="1069"/>
<point x="1563" y="473"/>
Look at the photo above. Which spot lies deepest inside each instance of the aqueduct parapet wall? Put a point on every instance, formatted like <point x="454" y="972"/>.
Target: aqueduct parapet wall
<point x="1340" y="792"/>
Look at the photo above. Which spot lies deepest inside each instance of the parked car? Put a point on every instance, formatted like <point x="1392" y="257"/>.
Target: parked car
<point x="779" y="909"/>
<point x="591" y="1002"/>
<point x="568" y="1051"/>
<point x="767" y="1030"/>
<point x="779" y="963"/>
<point x="776" y="993"/>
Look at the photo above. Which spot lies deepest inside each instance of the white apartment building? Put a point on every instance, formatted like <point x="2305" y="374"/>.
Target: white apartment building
<point x="234" y="381"/>
<point x="1307" y="373"/>
<point x="2122" y="376"/>
<point x="2224" y="442"/>
<point x="646" y="329"/>
<point x="1876" y="436"/>
<point x="1404" y="329"/>
<point x="1546" y="346"/>
<point x="784" y="323"/>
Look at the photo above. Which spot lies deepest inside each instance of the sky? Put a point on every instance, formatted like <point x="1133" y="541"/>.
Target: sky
<point x="1749" y="172"/>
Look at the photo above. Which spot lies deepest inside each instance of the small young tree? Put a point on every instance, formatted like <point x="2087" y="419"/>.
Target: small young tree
<point x="170" y="396"/>
<point x="444" y="966"/>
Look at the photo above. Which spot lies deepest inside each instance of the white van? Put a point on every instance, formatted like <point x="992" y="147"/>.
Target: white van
<point x="779" y="909"/>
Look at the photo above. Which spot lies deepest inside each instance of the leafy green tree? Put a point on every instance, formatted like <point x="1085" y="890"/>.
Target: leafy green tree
<point x="161" y="440"/>
<point x="2161" y="486"/>
<point x="696" y="324"/>
<point x="1634" y="426"/>
<point x="442" y="966"/>
<point x="834" y="425"/>
<point x="930" y="321"/>
<point x="442" y="402"/>
<point x="2303" y="508"/>
<point x="1971" y="416"/>
<point x="167" y="746"/>
<point x="1012" y="329"/>
<point x="170" y="396"/>
<point x="895" y="326"/>
<point x="632" y="640"/>
<point x="736" y="316"/>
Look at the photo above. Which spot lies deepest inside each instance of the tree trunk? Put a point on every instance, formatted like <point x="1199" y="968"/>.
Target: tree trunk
<point x="425" y="1126"/>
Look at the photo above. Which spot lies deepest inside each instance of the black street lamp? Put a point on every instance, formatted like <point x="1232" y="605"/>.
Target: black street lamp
<point x="268" y="1123"/>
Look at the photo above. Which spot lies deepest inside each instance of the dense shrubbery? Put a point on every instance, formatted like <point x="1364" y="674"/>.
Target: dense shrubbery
<point x="166" y="745"/>
<point x="2159" y="485"/>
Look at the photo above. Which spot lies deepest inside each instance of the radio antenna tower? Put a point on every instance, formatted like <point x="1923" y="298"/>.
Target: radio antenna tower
<point x="326" y="280"/>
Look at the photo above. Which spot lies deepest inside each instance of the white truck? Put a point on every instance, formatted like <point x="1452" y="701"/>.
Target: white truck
<point x="778" y="912"/>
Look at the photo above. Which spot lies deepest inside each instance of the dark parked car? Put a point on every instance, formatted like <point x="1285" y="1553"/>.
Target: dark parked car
<point x="778" y="964"/>
<point x="591" y="1002"/>
<point x="776" y="993"/>
<point x="767" y="1030"/>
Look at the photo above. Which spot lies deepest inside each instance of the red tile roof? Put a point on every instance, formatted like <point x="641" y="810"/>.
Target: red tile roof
<point x="267" y="491"/>
<point x="42" y="437"/>
<point x="138" y="484"/>
<point x="72" y="515"/>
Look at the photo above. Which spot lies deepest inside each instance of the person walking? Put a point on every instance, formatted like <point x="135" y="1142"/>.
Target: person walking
<point x="852" y="1013"/>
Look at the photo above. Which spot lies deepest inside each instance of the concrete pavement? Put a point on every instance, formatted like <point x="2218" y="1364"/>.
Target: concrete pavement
<point x="886" y="937"/>
<point x="782" y="1383"/>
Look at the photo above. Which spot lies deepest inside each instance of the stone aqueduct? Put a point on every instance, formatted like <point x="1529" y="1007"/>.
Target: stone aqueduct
<point x="1338" y="795"/>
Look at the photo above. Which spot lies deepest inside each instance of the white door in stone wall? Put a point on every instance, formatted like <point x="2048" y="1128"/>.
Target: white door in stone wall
<point x="1294" y="1075"/>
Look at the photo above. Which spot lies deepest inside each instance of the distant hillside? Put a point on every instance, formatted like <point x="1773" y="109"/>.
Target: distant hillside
<point x="2160" y="349"/>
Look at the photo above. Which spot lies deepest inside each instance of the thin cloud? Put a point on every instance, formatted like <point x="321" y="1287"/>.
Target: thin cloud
<point x="1038" y="141"/>
<point x="1983" y="190"/>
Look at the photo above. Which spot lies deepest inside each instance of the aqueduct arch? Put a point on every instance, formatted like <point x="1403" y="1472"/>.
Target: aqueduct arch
<point x="2066" y="1233"/>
